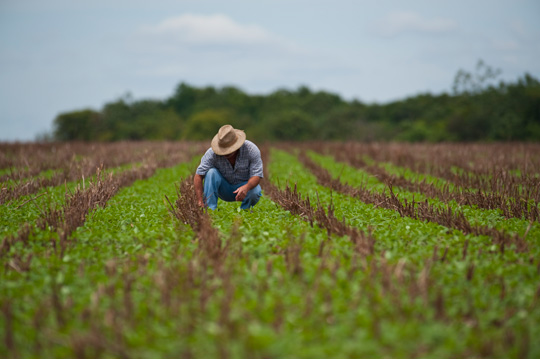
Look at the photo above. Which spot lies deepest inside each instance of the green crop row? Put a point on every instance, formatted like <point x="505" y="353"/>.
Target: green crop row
<point x="491" y="218"/>
<point x="134" y="226"/>
<point x="135" y="282"/>
<point x="27" y="209"/>
<point x="47" y="174"/>
<point x="468" y="283"/>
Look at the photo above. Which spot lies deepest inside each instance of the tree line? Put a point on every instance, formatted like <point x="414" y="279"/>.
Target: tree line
<point x="477" y="109"/>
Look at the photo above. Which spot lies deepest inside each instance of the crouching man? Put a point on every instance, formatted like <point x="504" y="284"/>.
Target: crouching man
<point x="231" y="170"/>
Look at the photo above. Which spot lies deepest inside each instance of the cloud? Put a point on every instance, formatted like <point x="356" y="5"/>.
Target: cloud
<point x="402" y="22"/>
<point x="217" y="29"/>
<point x="211" y="48"/>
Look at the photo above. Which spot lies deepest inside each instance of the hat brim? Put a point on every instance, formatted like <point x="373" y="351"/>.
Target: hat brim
<point x="223" y="151"/>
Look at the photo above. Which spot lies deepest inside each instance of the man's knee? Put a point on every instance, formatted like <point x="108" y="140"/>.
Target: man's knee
<point x="255" y="194"/>
<point x="212" y="173"/>
<point x="212" y="177"/>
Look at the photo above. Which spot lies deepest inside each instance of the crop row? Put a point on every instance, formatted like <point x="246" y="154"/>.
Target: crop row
<point x="508" y="170"/>
<point x="63" y="217"/>
<point x="436" y="277"/>
<point x="441" y="291"/>
<point x="22" y="160"/>
<point x="442" y="160"/>
<point x="33" y="167"/>
<point x="145" y="277"/>
<point x="516" y="195"/>
<point x="422" y="210"/>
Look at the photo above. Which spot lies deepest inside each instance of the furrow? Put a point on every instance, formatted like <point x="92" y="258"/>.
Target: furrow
<point x="425" y="211"/>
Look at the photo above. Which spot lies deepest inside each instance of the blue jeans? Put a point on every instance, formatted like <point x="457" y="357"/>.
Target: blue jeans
<point x="215" y="186"/>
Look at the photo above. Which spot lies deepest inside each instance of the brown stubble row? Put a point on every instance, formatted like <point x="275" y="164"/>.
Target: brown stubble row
<point x="486" y="167"/>
<point x="187" y="289"/>
<point x="82" y="201"/>
<point x="517" y="196"/>
<point x="188" y="285"/>
<point x="74" y="161"/>
<point x="28" y="159"/>
<point x="401" y="281"/>
<point x="212" y="252"/>
<point x="79" y="204"/>
<point x="207" y="272"/>
<point x="31" y="158"/>
<point x="293" y="202"/>
<point x="512" y="205"/>
<point x="438" y="159"/>
<point x="424" y="211"/>
<point x="187" y="210"/>
<point x="393" y="279"/>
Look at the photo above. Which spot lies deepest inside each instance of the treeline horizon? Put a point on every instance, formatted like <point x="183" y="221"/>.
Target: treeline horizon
<point x="477" y="109"/>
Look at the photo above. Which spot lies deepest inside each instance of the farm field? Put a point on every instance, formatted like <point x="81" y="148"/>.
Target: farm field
<point x="355" y="250"/>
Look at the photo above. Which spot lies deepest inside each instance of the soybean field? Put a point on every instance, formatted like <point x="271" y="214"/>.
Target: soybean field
<point x="355" y="250"/>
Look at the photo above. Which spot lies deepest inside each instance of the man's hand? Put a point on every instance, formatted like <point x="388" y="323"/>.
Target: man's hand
<point x="198" y="184"/>
<point x="241" y="192"/>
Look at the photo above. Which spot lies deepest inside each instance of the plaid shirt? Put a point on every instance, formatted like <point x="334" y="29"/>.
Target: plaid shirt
<point x="248" y="164"/>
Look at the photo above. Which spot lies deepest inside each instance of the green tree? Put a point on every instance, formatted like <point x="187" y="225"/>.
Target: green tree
<point x="205" y="124"/>
<point x="76" y="125"/>
<point x="183" y="99"/>
<point x="478" y="109"/>
<point x="115" y="125"/>
<point x="293" y="125"/>
<point x="163" y="124"/>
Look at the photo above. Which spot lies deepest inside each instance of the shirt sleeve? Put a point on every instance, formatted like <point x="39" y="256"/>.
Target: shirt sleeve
<point x="255" y="161"/>
<point x="207" y="162"/>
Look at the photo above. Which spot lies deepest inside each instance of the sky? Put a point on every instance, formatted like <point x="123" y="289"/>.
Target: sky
<point x="63" y="55"/>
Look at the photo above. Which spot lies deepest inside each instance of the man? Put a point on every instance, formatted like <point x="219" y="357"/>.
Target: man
<point x="232" y="169"/>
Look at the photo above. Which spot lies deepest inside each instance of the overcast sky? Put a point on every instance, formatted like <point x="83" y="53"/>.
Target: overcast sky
<point x="64" y="55"/>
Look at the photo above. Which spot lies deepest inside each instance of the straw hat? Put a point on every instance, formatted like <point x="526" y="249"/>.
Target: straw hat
<point x="227" y="140"/>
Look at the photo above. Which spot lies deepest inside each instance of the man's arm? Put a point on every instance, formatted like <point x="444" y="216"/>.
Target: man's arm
<point x="198" y="184"/>
<point x="242" y="191"/>
<point x="207" y="162"/>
